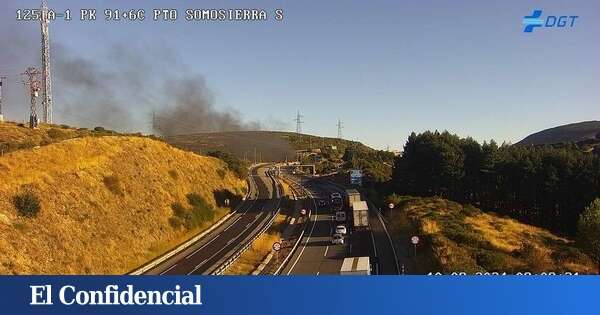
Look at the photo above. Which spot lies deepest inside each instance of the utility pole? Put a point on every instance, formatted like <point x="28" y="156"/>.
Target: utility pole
<point x="1" y="115"/>
<point x="299" y="122"/>
<point x="46" y="77"/>
<point x="340" y="125"/>
<point x="34" y="88"/>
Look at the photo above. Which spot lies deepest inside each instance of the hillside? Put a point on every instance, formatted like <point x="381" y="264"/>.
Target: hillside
<point x="456" y="238"/>
<point x="107" y="204"/>
<point x="16" y="136"/>
<point x="576" y="132"/>
<point x="270" y="145"/>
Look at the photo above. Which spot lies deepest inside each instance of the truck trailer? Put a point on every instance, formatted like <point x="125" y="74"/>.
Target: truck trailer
<point x="352" y="195"/>
<point x="360" y="215"/>
<point x="356" y="266"/>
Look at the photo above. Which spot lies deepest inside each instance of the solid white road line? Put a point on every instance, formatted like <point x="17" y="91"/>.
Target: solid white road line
<point x="309" y="235"/>
<point x="162" y="273"/>
<point x="220" y="250"/>
<point x="326" y="249"/>
<point x="199" y="249"/>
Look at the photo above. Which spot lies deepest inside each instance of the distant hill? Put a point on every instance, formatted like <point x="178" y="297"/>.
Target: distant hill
<point x="270" y="145"/>
<point x="576" y="132"/>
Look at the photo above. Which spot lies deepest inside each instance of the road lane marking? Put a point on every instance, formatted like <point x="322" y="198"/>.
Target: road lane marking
<point x="220" y="250"/>
<point x="162" y="273"/>
<point x="326" y="249"/>
<point x="199" y="249"/>
<point x="308" y="239"/>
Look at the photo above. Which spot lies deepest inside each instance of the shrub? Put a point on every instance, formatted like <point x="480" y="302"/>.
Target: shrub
<point x="221" y="172"/>
<point x="173" y="174"/>
<point x="200" y="212"/>
<point x="179" y="210"/>
<point x="27" y="203"/>
<point x="197" y="201"/>
<point x="113" y="184"/>
<point x="236" y="165"/>
<point x="56" y="134"/>
<point x="535" y="258"/>
<point x="493" y="261"/>
<point x="175" y="222"/>
<point x="99" y="129"/>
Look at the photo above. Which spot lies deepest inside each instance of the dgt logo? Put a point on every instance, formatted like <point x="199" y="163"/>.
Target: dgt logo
<point x="535" y="20"/>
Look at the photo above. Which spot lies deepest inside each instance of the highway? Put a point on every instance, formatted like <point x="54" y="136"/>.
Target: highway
<point x="316" y="255"/>
<point x="206" y="255"/>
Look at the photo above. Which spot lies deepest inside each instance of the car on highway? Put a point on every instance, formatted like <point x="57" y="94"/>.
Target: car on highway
<point x="336" y="195"/>
<point x="340" y="216"/>
<point x="340" y="229"/>
<point x="337" y="239"/>
<point x="336" y="208"/>
<point x="322" y="203"/>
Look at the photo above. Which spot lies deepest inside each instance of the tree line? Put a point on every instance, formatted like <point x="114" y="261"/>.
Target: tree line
<point x="541" y="185"/>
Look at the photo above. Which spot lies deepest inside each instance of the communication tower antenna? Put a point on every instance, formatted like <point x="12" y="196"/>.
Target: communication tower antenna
<point x="46" y="77"/>
<point x="1" y="115"/>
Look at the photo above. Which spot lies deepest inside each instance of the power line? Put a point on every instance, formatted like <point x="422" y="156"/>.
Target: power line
<point x="34" y="88"/>
<point x="299" y="122"/>
<point x="340" y="126"/>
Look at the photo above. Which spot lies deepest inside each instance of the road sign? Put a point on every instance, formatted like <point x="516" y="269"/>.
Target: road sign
<point x="414" y="240"/>
<point x="303" y="212"/>
<point x="276" y="246"/>
<point x="356" y="177"/>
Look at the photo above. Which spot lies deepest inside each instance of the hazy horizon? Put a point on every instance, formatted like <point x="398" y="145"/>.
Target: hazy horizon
<point x="384" y="68"/>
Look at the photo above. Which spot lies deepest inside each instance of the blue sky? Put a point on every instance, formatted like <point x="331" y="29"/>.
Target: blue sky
<point x="385" y="68"/>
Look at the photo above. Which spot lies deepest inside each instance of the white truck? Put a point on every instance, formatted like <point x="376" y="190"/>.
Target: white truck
<point x="356" y="266"/>
<point x="360" y="215"/>
<point x="352" y="195"/>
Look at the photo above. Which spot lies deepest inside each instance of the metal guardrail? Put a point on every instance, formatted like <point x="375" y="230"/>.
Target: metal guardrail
<point x="159" y="260"/>
<point x="239" y="252"/>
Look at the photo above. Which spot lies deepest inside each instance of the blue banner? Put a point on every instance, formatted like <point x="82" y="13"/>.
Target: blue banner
<point x="298" y="295"/>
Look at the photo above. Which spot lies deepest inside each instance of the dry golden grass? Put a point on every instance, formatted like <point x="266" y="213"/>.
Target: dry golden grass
<point x="12" y="136"/>
<point x="85" y="228"/>
<point x="463" y="238"/>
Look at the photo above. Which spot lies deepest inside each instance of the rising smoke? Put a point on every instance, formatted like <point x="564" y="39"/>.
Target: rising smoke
<point x="119" y="89"/>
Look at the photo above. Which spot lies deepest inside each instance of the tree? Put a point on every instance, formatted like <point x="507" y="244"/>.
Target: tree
<point x="589" y="230"/>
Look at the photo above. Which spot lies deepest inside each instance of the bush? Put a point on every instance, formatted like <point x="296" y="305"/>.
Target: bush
<point x="179" y="210"/>
<point x="99" y="129"/>
<point x="56" y="134"/>
<point x="175" y="222"/>
<point x="198" y="201"/>
<point x="113" y="184"/>
<point x="173" y="174"/>
<point x="236" y="165"/>
<point x="27" y="203"/>
<point x="493" y="261"/>
<point x="200" y="212"/>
